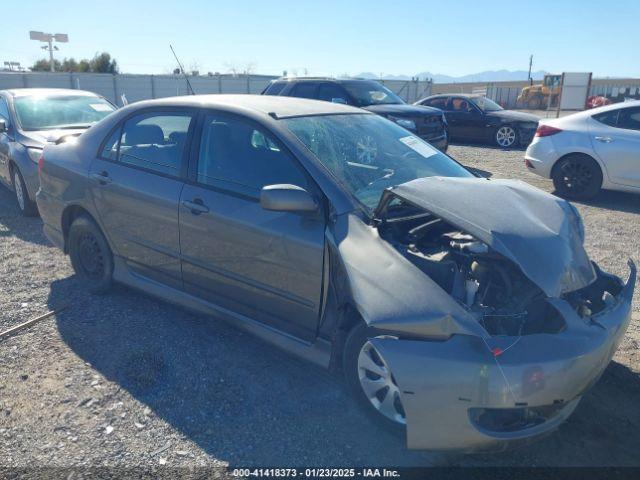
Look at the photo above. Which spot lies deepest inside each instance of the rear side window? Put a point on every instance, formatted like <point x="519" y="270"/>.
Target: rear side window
<point x="275" y="88"/>
<point x="110" y="149"/>
<point x="608" y="118"/>
<point x="436" y="102"/>
<point x="330" y="92"/>
<point x="305" y="90"/>
<point x="154" y="142"/>
<point x="629" y="118"/>
<point x="238" y="153"/>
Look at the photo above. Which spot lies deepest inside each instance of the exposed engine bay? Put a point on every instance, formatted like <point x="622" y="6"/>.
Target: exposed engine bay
<point x="489" y="285"/>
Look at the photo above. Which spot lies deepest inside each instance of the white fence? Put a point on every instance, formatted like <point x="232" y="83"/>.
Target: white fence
<point x="143" y="87"/>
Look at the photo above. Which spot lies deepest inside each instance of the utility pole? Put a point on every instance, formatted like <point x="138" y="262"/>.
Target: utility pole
<point x="530" y="64"/>
<point x="49" y="39"/>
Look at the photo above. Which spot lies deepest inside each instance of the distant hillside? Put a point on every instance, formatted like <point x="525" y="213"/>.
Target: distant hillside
<point x="488" y="76"/>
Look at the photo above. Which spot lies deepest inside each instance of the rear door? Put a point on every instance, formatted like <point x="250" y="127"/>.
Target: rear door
<point x="262" y="264"/>
<point x="615" y="136"/>
<point x="136" y="184"/>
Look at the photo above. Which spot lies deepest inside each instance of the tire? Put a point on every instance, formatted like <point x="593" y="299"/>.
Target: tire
<point x="27" y="207"/>
<point x="90" y="255"/>
<point x="506" y="136"/>
<point x="577" y="177"/>
<point x="358" y="352"/>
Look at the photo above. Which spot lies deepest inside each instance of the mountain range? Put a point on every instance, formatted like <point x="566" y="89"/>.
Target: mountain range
<point x="487" y="76"/>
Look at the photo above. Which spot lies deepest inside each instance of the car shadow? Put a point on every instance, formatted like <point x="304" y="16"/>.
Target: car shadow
<point x="614" y="200"/>
<point x="459" y="143"/>
<point x="239" y="399"/>
<point x="14" y="224"/>
<point x="247" y="403"/>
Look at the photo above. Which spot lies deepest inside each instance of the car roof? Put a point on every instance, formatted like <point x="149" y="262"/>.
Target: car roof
<point x="464" y="95"/>
<point x="51" y="92"/>
<point x="271" y="105"/>
<point x="323" y="79"/>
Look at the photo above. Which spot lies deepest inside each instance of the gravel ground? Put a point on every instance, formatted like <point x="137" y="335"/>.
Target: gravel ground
<point x="126" y="380"/>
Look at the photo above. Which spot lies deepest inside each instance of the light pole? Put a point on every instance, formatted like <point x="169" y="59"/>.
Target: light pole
<point x="49" y="38"/>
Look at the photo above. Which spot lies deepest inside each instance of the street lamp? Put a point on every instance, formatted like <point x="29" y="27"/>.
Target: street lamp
<point x="49" y="39"/>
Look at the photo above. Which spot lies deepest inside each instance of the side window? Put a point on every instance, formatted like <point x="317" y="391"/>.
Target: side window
<point x="110" y="149"/>
<point x="305" y="90"/>
<point x="155" y="141"/>
<point x="275" y="88"/>
<point x="437" y="103"/>
<point x="236" y="152"/>
<point x="608" y="118"/>
<point x="629" y="118"/>
<point x="460" y="105"/>
<point x="4" y="111"/>
<point x="330" y="92"/>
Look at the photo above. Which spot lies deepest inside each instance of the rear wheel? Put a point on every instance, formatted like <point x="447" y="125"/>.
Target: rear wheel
<point x="371" y="381"/>
<point x="535" y="103"/>
<point x="577" y="177"/>
<point x="90" y="255"/>
<point x="27" y="206"/>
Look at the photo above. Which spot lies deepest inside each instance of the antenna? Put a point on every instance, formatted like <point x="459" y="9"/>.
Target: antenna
<point x="186" y="77"/>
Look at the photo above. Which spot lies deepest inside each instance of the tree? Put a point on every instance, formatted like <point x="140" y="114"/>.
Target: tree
<point x="100" y="63"/>
<point x="103" y="63"/>
<point x="44" y="65"/>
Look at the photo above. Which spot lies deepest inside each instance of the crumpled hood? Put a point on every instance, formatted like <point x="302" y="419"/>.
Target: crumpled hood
<point x="39" y="138"/>
<point x="538" y="231"/>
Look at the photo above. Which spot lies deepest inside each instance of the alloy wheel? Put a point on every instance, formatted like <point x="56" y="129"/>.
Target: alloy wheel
<point x="576" y="176"/>
<point x="505" y="136"/>
<point x="378" y="384"/>
<point x="17" y="185"/>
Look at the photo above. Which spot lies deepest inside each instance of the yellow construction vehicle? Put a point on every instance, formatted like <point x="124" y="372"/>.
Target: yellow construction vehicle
<point x="536" y="97"/>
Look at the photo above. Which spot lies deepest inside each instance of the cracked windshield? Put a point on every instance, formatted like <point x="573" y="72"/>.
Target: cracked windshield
<point x="368" y="154"/>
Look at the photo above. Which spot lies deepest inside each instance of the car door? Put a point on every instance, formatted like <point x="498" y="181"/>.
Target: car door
<point x="265" y="265"/>
<point x="5" y="143"/>
<point x="615" y="136"/>
<point x="136" y="183"/>
<point x="464" y="119"/>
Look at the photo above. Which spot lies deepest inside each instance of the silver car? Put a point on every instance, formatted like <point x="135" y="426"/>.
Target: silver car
<point x="33" y="117"/>
<point x="462" y="311"/>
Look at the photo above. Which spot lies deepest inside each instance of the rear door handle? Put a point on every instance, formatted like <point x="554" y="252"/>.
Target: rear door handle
<point x="604" y="139"/>
<point x="103" y="178"/>
<point x="196" y="206"/>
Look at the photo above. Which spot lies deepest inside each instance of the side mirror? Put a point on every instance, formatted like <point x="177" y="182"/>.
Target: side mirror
<point x="3" y="126"/>
<point x="339" y="100"/>
<point x="287" y="198"/>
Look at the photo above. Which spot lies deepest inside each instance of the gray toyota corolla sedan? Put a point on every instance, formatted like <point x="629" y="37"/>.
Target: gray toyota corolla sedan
<point x="460" y="309"/>
<point x="33" y="117"/>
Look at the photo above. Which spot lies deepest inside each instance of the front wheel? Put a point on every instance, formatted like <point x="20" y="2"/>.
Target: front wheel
<point x="506" y="136"/>
<point x="90" y="255"/>
<point x="371" y="381"/>
<point x="27" y="206"/>
<point x="577" y="177"/>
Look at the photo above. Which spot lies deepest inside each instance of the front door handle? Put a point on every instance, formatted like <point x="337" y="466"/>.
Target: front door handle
<point x="196" y="206"/>
<point x="103" y="178"/>
<point x="604" y="139"/>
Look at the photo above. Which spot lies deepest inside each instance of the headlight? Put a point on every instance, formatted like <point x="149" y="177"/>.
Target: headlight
<point x="34" y="153"/>
<point x="404" y="122"/>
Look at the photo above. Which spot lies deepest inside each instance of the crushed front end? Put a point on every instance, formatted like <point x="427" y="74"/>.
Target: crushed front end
<point x="512" y="260"/>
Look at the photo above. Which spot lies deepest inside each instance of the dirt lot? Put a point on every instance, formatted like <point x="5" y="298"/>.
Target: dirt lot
<point x="127" y="380"/>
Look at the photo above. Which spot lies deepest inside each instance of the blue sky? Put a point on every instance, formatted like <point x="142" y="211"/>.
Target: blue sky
<point x="330" y="37"/>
